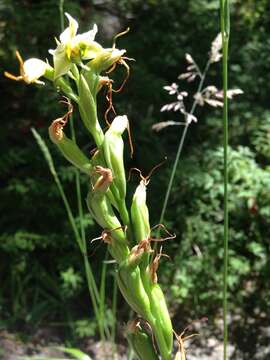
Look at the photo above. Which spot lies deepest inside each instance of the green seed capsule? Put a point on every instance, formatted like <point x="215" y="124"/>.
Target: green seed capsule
<point x="113" y="147"/>
<point x="160" y="311"/>
<point x="132" y="288"/>
<point x="68" y="148"/>
<point x="162" y="326"/>
<point x="88" y="111"/>
<point x="141" y="341"/>
<point x="140" y="213"/>
<point x="102" y="211"/>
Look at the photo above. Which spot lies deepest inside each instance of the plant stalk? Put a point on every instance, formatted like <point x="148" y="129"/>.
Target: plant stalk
<point x="225" y="30"/>
<point x="180" y="147"/>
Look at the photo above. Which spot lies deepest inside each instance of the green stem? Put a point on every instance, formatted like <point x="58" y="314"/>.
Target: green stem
<point x="92" y="287"/>
<point x="225" y="30"/>
<point x="91" y="283"/>
<point x="61" y="11"/>
<point x="102" y="293"/>
<point x="114" y="310"/>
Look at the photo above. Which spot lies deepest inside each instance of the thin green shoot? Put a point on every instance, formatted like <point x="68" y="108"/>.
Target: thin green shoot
<point x="114" y="311"/>
<point x="225" y="31"/>
<point x="180" y="147"/>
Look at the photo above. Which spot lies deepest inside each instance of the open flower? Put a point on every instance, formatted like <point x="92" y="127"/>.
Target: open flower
<point x="30" y="70"/>
<point x="74" y="48"/>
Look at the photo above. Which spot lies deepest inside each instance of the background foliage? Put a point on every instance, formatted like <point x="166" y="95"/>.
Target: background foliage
<point x="41" y="268"/>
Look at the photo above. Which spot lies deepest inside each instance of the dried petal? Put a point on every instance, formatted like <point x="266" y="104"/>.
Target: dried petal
<point x="180" y="97"/>
<point x="168" y="88"/>
<point x="214" y="103"/>
<point x="191" y="67"/>
<point x="170" y="106"/>
<point x="177" y="106"/>
<point x="232" y="92"/>
<point x="211" y="89"/>
<point x="164" y="108"/>
<point x="199" y="98"/>
<point x="192" y="78"/>
<point x="191" y="118"/>
<point x="163" y="124"/>
<point x="189" y="59"/>
<point x="184" y="75"/>
<point x="216" y="46"/>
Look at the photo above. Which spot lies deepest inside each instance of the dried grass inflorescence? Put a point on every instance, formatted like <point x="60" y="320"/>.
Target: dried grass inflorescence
<point x="209" y="95"/>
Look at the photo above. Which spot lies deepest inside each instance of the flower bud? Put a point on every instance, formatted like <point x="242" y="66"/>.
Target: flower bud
<point x="68" y="147"/>
<point x="105" y="59"/>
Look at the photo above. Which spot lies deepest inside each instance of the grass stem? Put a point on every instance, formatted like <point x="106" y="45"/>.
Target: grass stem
<point x="180" y="147"/>
<point x="225" y="31"/>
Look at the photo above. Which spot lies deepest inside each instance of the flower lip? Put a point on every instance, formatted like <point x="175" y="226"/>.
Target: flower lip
<point x="119" y="124"/>
<point x="30" y="70"/>
<point x="33" y="70"/>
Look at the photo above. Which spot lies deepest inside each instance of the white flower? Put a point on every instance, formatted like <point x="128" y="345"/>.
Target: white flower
<point x="33" y="69"/>
<point x="30" y="70"/>
<point x="73" y="47"/>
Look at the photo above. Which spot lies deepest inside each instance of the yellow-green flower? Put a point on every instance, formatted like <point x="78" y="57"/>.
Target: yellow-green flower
<point x="73" y="48"/>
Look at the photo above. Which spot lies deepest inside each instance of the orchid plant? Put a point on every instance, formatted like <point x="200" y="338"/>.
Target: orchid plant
<point x="81" y="68"/>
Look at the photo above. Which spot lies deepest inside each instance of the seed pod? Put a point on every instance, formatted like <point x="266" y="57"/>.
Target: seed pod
<point x="162" y="326"/>
<point x="161" y="314"/>
<point x="68" y="148"/>
<point x="141" y="341"/>
<point x="131" y="286"/>
<point x="140" y="213"/>
<point x="102" y="211"/>
<point x="113" y="147"/>
<point x="88" y="111"/>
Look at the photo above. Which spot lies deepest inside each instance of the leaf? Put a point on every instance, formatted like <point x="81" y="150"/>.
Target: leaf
<point x="44" y="150"/>
<point x="78" y="354"/>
